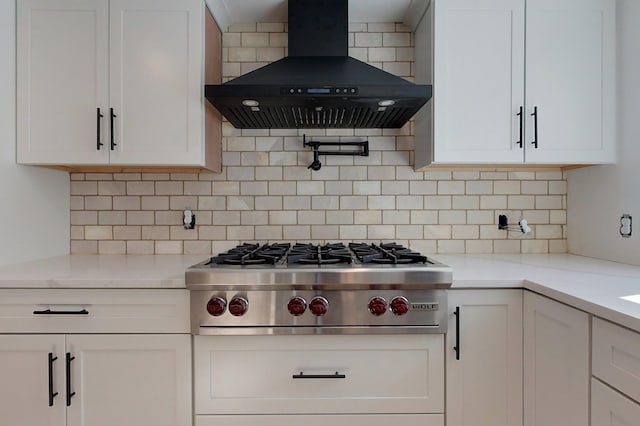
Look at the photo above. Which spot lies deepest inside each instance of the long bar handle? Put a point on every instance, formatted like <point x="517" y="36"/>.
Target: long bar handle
<point x="99" y="121"/>
<point x="50" y="312"/>
<point x="70" y="394"/>
<point x="535" y="127"/>
<point x="52" y="394"/>
<point x="335" y="375"/>
<point x="113" y="116"/>
<point x="521" y="115"/>
<point x="457" y="346"/>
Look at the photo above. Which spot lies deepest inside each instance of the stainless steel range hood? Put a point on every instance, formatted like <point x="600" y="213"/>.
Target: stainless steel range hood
<point x="318" y="85"/>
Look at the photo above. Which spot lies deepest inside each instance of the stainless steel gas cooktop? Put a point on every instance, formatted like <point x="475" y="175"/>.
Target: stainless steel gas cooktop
<point x="286" y="288"/>
<point x="298" y="266"/>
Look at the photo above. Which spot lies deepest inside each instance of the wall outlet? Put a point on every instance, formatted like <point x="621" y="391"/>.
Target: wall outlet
<point x="625" y="225"/>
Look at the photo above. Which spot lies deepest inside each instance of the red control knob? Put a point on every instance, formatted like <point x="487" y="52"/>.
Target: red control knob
<point x="238" y="306"/>
<point x="399" y="305"/>
<point x="297" y="305"/>
<point x="216" y="306"/>
<point x="319" y="306"/>
<point x="377" y="306"/>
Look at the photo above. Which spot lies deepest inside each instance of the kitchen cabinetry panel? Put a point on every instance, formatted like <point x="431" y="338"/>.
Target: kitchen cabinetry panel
<point x="616" y="357"/>
<point x="257" y="374"/>
<point x="24" y="387"/>
<point x="556" y="363"/>
<point x="474" y="53"/>
<point x="114" y="379"/>
<point x="156" y="81"/>
<point x="610" y="408"/>
<point x="62" y="69"/>
<point x="478" y="82"/>
<point x="571" y="80"/>
<point x="111" y="84"/>
<point x="109" y="311"/>
<point x="333" y="420"/>
<point x="130" y="380"/>
<point x="484" y="386"/>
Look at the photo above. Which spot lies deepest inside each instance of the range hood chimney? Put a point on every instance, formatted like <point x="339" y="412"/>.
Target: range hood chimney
<point x="318" y="85"/>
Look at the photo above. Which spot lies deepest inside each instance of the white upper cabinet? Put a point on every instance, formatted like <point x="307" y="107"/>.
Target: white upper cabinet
<point x="112" y="83"/>
<point x="62" y="80"/>
<point x="517" y="81"/>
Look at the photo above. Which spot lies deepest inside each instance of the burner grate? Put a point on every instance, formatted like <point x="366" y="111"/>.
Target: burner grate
<point x="252" y="254"/>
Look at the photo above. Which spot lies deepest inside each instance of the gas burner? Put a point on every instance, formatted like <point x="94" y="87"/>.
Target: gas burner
<point x="252" y="254"/>
<point x="310" y="254"/>
<point x="387" y="253"/>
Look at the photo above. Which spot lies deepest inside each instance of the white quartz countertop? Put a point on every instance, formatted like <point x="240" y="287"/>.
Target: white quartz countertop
<point x="100" y="271"/>
<point x="606" y="289"/>
<point x="595" y="286"/>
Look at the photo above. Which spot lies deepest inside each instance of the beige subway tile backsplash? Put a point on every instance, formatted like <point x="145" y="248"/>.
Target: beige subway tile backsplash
<point x="266" y="192"/>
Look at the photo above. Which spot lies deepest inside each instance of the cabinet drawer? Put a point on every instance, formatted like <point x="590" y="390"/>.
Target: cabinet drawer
<point x="616" y="357"/>
<point x="610" y="408"/>
<point x="94" y="311"/>
<point x="357" y="374"/>
<point x="333" y="420"/>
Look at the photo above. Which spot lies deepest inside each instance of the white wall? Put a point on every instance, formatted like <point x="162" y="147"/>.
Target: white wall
<point x="598" y="196"/>
<point x="34" y="203"/>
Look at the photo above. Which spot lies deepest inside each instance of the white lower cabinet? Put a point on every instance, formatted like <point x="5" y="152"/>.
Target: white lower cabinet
<point x="64" y="379"/>
<point x="556" y="363"/>
<point x="362" y="379"/>
<point x="484" y="360"/>
<point x="25" y="369"/>
<point x="610" y="408"/>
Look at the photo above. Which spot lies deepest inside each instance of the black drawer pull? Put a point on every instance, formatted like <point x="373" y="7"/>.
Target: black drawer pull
<point x="52" y="394"/>
<point x="98" y="117"/>
<point x="113" y="116"/>
<point x="335" y="375"/>
<point x="70" y="394"/>
<point x="521" y="133"/>
<point x="535" y="127"/>
<point x="50" y="312"/>
<point x="457" y="346"/>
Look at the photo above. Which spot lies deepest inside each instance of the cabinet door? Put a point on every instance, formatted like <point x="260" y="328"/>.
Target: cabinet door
<point x="556" y="363"/>
<point x="62" y="65"/>
<point x="25" y="391"/>
<point x="571" y="80"/>
<point x="478" y="80"/>
<point x="156" y="81"/>
<point x="484" y="386"/>
<point x="130" y="380"/>
<point x="610" y="408"/>
<point x="361" y="374"/>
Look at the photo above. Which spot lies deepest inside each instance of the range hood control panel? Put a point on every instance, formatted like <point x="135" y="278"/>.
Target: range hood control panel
<point x="319" y="91"/>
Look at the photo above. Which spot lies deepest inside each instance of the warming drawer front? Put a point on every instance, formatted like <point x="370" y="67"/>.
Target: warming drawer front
<point x="322" y="374"/>
<point x="335" y="420"/>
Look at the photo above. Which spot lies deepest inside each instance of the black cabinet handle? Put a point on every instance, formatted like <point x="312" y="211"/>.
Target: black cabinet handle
<point x="98" y="119"/>
<point x="113" y="116"/>
<point x="52" y="394"/>
<point x="521" y="115"/>
<point x="70" y="394"/>
<point x="335" y="375"/>
<point x="457" y="346"/>
<point x="50" y="312"/>
<point x="535" y="127"/>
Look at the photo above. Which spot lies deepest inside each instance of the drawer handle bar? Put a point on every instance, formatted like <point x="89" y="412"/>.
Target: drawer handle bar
<point x="457" y="346"/>
<point x="70" y="394"/>
<point x="50" y="312"/>
<point x="52" y="393"/>
<point x="335" y="375"/>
